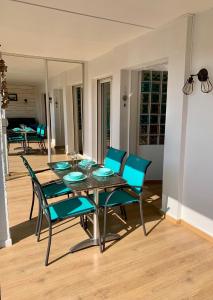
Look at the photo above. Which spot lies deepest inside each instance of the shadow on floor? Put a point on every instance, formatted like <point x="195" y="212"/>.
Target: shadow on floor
<point x="116" y="224"/>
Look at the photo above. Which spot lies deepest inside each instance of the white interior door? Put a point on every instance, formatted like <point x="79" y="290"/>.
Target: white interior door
<point x="59" y="118"/>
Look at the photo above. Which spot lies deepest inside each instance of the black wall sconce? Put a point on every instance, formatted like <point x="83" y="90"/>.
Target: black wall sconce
<point x="25" y="101"/>
<point x="203" y="77"/>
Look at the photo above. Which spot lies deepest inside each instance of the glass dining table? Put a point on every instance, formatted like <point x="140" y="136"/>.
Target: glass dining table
<point x="91" y="183"/>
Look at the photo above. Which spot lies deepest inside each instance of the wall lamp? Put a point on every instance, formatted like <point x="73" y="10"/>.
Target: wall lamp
<point x="203" y="77"/>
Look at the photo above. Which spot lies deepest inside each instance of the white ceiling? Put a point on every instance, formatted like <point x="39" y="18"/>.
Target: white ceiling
<point x="32" y="71"/>
<point x="33" y="30"/>
<point x="41" y="31"/>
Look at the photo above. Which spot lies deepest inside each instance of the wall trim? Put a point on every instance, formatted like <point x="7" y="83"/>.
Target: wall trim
<point x="6" y="243"/>
<point x="192" y="228"/>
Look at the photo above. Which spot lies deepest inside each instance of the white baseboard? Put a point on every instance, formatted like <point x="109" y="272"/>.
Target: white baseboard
<point x="6" y="243"/>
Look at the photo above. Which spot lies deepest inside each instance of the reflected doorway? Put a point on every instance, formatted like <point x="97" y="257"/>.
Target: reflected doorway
<point x="78" y="112"/>
<point x="104" y="126"/>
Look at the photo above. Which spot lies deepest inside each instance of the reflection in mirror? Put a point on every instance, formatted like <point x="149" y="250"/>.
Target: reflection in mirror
<point x="27" y="112"/>
<point x="66" y="108"/>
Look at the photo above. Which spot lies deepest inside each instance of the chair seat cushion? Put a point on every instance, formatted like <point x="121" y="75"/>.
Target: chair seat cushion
<point x="70" y="208"/>
<point x="55" y="189"/>
<point x="118" y="198"/>
<point x="14" y="139"/>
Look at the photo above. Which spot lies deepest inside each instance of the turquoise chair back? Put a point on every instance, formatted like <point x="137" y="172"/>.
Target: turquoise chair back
<point x="43" y="131"/>
<point x="134" y="172"/>
<point x="114" y="159"/>
<point x="41" y="196"/>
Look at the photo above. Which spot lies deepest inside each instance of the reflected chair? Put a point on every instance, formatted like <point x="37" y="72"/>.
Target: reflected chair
<point x="133" y="173"/>
<point x="59" y="211"/>
<point x="15" y="138"/>
<point x="51" y="189"/>
<point x="39" y="137"/>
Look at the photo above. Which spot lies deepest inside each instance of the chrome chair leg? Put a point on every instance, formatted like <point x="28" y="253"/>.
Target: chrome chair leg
<point x="32" y="205"/>
<point x="99" y="234"/>
<point x="104" y="231"/>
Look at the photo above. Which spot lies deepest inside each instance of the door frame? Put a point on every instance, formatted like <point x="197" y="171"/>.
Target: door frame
<point x="58" y="109"/>
<point x="99" y="119"/>
<point x="75" y="117"/>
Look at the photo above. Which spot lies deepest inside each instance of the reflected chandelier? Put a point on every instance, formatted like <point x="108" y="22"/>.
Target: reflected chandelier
<point x="3" y="83"/>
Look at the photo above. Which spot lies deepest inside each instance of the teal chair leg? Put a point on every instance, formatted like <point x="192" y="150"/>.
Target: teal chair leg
<point x="99" y="234"/>
<point x="39" y="225"/>
<point x="38" y="220"/>
<point x="49" y="244"/>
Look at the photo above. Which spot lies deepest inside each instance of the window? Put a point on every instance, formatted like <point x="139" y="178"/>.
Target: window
<point x="153" y="98"/>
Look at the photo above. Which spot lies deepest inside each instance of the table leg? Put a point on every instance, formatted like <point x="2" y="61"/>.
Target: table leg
<point x="94" y="240"/>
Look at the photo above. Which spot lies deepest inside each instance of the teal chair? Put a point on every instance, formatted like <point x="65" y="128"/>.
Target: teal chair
<point x="51" y="189"/>
<point x="113" y="159"/>
<point x="59" y="211"/>
<point x="133" y="173"/>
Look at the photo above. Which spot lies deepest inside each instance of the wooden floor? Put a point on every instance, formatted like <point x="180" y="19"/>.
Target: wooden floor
<point x="170" y="263"/>
<point x="36" y="157"/>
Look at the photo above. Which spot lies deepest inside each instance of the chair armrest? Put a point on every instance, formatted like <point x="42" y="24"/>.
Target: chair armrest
<point x="121" y="188"/>
<point x="57" y="181"/>
<point x="115" y="190"/>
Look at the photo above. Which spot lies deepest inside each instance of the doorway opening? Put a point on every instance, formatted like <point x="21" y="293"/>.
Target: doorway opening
<point x="104" y="119"/>
<point x="152" y="101"/>
<point x="59" y="138"/>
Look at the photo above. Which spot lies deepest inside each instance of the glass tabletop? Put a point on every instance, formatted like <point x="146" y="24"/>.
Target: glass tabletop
<point x="91" y="182"/>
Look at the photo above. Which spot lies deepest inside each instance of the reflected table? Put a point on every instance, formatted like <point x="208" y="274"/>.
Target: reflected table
<point x="95" y="184"/>
<point x="24" y="132"/>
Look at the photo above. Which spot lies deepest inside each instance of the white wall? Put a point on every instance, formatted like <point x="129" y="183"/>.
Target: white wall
<point x="5" y="239"/>
<point x="19" y="108"/>
<point x="155" y="153"/>
<point x="167" y="44"/>
<point x="198" y="165"/>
